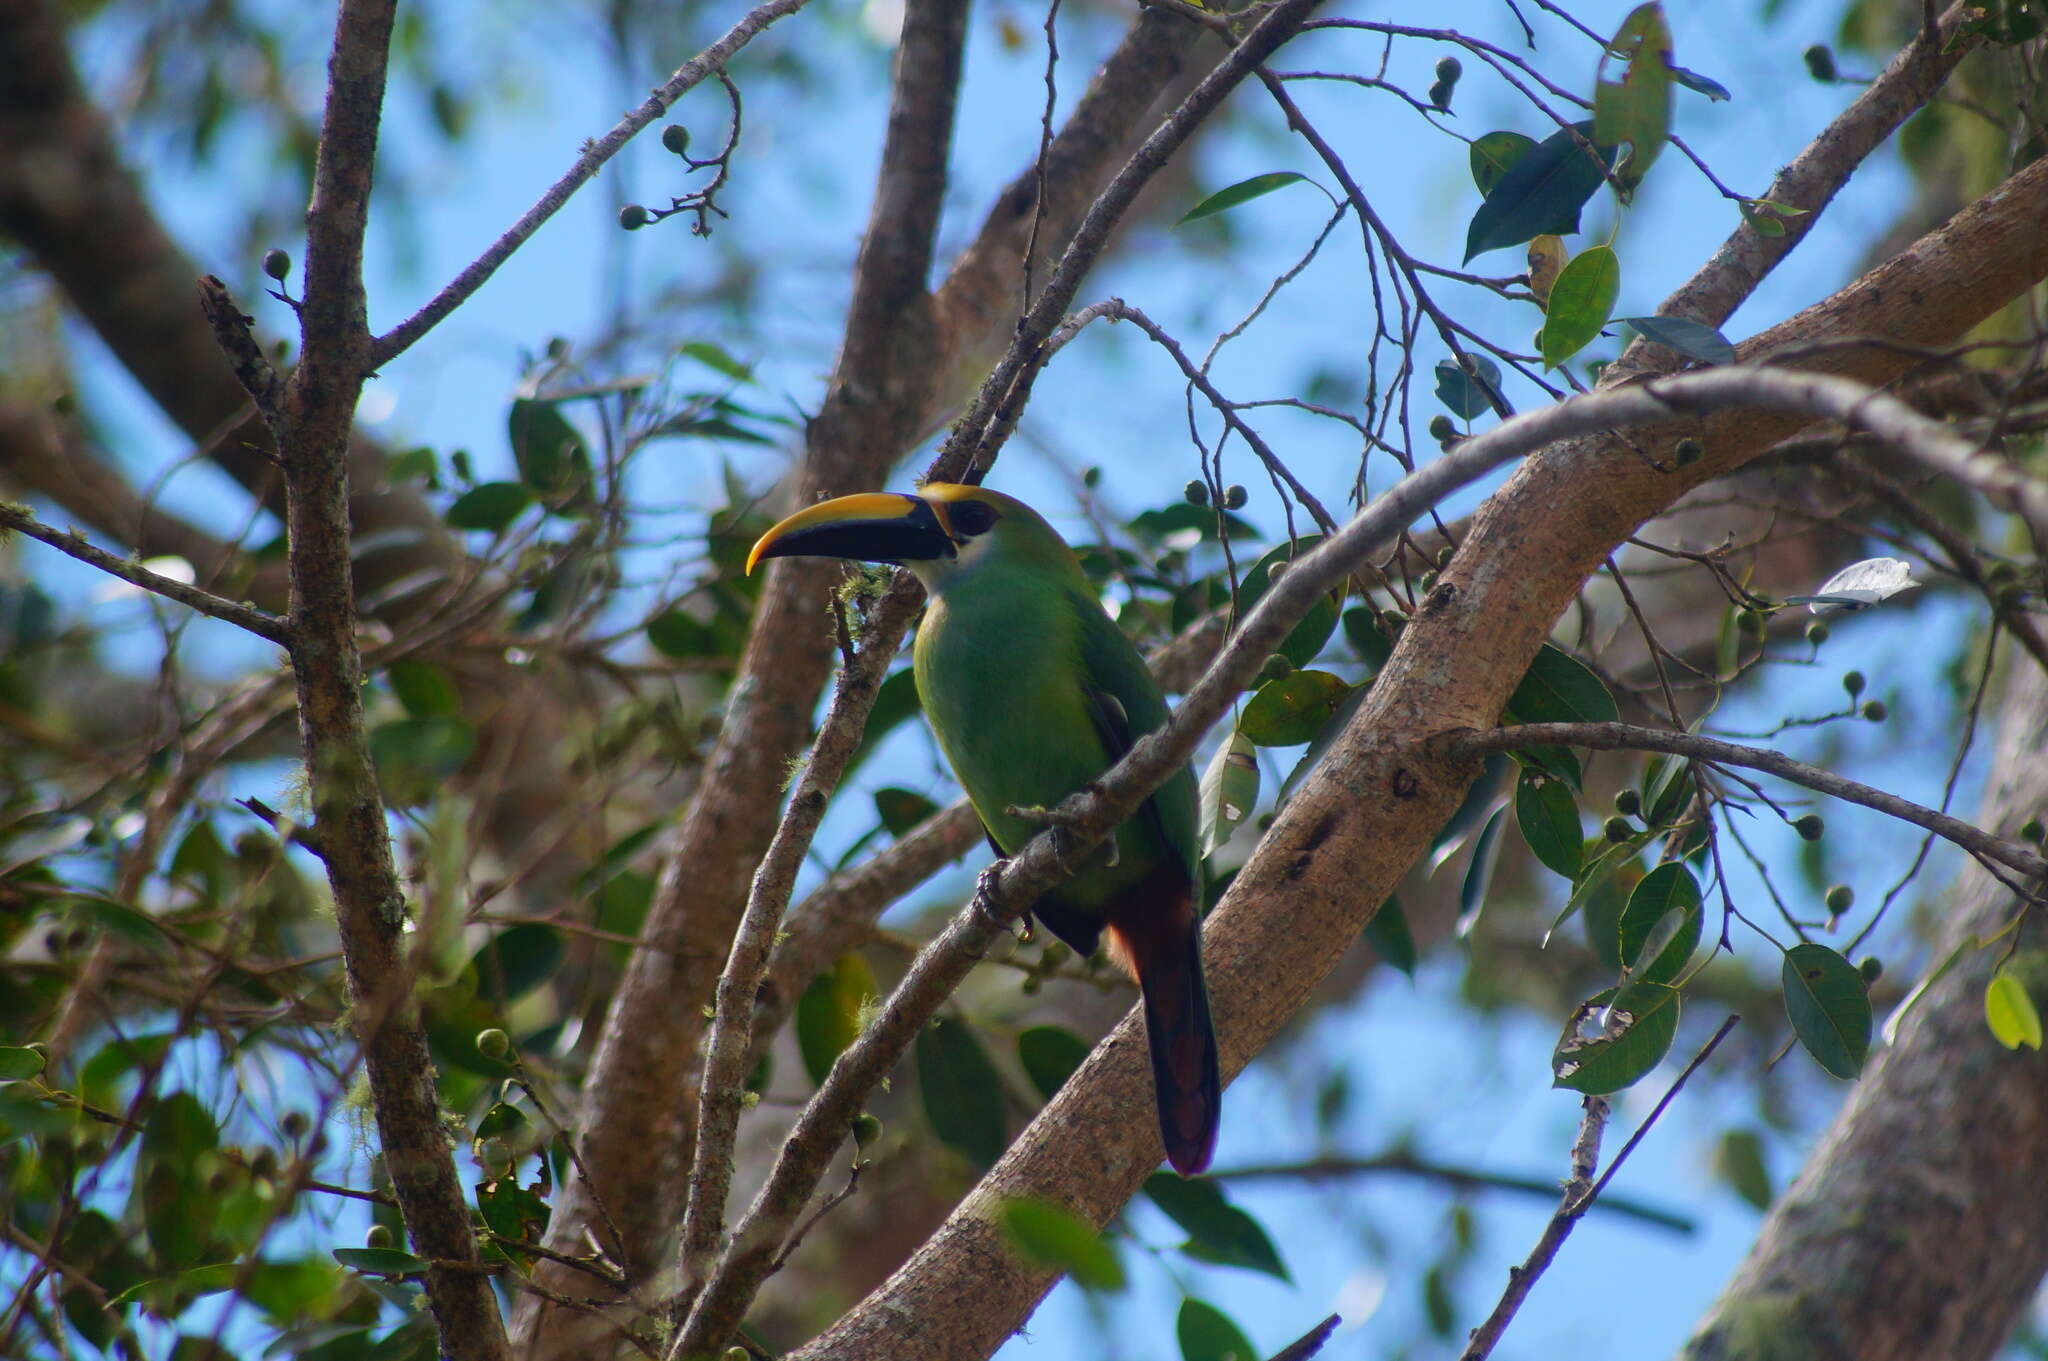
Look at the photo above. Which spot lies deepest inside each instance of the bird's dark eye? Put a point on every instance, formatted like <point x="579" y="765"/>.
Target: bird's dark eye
<point x="969" y="518"/>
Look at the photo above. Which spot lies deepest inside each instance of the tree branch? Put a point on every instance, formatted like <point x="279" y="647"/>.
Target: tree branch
<point x="73" y="544"/>
<point x="2016" y="855"/>
<point x="595" y="154"/>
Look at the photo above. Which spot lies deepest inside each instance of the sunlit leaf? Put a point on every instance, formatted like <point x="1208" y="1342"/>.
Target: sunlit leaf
<point x="381" y="1261"/>
<point x="1859" y="586"/>
<point x="2010" y="1012"/>
<point x="1637" y="108"/>
<point x="1581" y="301"/>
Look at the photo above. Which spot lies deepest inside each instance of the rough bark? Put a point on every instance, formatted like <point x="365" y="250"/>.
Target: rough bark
<point x="1371" y="808"/>
<point x="1915" y="1229"/>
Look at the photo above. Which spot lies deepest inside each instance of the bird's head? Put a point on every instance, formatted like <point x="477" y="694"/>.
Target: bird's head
<point x="939" y="532"/>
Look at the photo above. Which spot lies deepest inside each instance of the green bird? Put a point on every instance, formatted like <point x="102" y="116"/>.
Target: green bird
<point x="1033" y="693"/>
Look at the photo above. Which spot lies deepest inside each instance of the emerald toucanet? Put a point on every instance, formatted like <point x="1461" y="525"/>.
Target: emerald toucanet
<point x="1033" y="693"/>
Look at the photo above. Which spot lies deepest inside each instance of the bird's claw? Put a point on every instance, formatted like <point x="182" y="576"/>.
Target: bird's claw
<point x="986" y="886"/>
<point x="1060" y="824"/>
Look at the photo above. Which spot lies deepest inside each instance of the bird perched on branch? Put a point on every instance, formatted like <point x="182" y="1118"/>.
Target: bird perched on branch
<point x="1033" y="693"/>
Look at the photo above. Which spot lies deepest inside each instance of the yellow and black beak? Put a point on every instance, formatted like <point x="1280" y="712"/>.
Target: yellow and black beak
<point x="890" y="527"/>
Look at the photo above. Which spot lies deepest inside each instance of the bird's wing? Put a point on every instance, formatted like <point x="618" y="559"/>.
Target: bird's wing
<point x="1125" y="703"/>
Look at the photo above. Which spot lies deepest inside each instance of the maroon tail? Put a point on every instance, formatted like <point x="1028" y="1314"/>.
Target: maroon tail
<point x="1161" y="943"/>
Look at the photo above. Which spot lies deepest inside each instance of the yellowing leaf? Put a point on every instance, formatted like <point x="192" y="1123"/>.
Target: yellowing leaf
<point x="2010" y="1012"/>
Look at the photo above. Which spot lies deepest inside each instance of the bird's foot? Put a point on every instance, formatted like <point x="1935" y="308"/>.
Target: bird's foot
<point x="986" y="886"/>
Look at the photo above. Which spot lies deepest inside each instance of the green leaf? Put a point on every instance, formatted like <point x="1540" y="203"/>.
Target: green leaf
<point x="1050" y="1055"/>
<point x="1830" y="1007"/>
<point x="381" y="1261"/>
<point x="1494" y="154"/>
<point x="1541" y="194"/>
<point x="1667" y="789"/>
<point x="489" y="507"/>
<point x="1549" y="818"/>
<point x="1692" y="80"/>
<point x="1052" y="1236"/>
<point x="902" y="809"/>
<point x="1694" y="340"/>
<point x="1479" y="873"/>
<point x="424" y="689"/>
<point x="1230" y="790"/>
<point x="552" y="459"/>
<point x="716" y="359"/>
<point x="1288" y="712"/>
<point x="2010" y="1012"/>
<point x="1739" y="1161"/>
<point x="413" y="755"/>
<point x="517" y="960"/>
<point x="1388" y="935"/>
<point x="1305" y="640"/>
<point x="1206" y="1333"/>
<point x="1637" y="108"/>
<point x="963" y="1095"/>
<point x="1581" y="300"/>
<point x="1637" y="1023"/>
<point x="18" y="1063"/>
<point x="828" y="1014"/>
<point x="1244" y="191"/>
<point x="1468" y="395"/>
<point x="682" y="635"/>
<point x="1218" y="1232"/>
<point x="1666" y="889"/>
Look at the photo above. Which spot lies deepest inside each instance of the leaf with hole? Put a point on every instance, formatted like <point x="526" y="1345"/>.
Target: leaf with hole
<point x="1614" y="1039"/>
<point x="1050" y="1235"/>
<point x="1581" y="300"/>
<point x="1542" y="193"/>
<point x="1636" y="109"/>
<point x="1244" y="191"/>
<point x="1829" y="1005"/>
<point x="1549" y="818"/>
<point x="963" y="1094"/>
<point x="1667" y="889"/>
<point x="1230" y="790"/>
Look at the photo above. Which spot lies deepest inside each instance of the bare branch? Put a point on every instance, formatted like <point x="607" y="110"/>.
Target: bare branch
<point x="595" y="154"/>
<point x="73" y="544"/>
